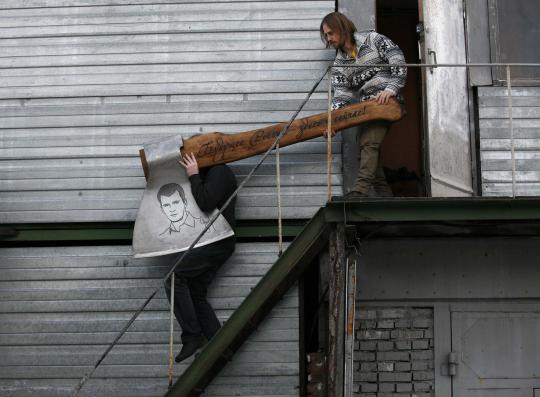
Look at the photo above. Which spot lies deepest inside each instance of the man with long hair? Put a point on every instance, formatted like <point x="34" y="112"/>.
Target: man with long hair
<point x="359" y="74"/>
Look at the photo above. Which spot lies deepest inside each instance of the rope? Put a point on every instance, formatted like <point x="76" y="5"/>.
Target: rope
<point x="329" y="145"/>
<point x="278" y="185"/>
<point x="171" y="333"/>
<point x="511" y="125"/>
<point x="87" y="376"/>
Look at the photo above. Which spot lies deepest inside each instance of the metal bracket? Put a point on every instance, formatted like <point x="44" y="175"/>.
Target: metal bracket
<point x="452" y="363"/>
<point x="450" y="367"/>
<point x="434" y="56"/>
<point x="351" y="238"/>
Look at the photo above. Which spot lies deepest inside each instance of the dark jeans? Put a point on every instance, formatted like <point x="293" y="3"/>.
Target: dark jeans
<point x="192" y="278"/>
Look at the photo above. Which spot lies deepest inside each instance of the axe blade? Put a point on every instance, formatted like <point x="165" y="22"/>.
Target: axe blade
<point x="168" y="219"/>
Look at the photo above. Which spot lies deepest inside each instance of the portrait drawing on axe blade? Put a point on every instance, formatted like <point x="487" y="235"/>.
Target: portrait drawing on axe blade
<point x="173" y="203"/>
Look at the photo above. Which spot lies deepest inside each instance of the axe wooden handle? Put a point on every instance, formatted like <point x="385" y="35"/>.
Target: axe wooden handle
<point x="218" y="148"/>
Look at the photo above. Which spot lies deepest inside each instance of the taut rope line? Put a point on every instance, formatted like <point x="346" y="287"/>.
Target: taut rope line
<point x="329" y="143"/>
<point x="278" y="185"/>
<point x="171" y="334"/>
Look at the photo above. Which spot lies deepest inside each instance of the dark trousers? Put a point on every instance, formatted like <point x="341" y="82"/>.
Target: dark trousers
<point x="192" y="278"/>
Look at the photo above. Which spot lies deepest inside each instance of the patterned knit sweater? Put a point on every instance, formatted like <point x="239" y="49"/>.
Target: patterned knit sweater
<point x="352" y="84"/>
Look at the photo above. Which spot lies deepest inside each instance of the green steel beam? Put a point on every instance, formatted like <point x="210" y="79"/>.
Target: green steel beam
<point x="366" y="210"/>
<point x="470" y="209"/>
<point x="253" y="309"/>
<point x="124" y="231"/>
<point x="55" y="233"/>
<point x="269" y="228"/>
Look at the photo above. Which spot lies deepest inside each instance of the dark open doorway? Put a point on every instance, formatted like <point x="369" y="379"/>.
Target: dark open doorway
<point x="402" y="148"/>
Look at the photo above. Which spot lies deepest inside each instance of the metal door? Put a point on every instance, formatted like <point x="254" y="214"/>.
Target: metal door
<point x="446" y="101"/>
<point x="497" y="351"/>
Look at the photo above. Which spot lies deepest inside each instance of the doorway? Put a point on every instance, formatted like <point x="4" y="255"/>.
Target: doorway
<point x="402" y="148"/>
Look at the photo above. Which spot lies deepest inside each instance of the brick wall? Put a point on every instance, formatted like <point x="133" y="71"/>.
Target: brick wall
<point x="393" y="352"/>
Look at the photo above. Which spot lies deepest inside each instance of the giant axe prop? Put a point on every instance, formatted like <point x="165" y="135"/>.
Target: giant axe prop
<point x="154" y="234"/>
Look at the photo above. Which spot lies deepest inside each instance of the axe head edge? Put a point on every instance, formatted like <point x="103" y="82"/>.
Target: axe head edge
<point x="142" y="153"/>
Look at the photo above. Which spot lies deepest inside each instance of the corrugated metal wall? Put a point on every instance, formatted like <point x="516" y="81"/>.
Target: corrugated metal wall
<point x="84" y="83"/>
<point x="495" y="146"/>
<point x="61" y="307"/>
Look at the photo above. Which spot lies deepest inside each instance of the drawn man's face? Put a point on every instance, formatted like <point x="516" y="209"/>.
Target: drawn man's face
<point x="173" y="206"/>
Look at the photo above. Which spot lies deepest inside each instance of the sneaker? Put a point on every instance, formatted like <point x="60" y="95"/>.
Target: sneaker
<point x="190" y="348"/>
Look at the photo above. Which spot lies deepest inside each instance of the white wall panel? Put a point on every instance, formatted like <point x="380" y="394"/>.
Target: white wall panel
<point x="83" y="84"/>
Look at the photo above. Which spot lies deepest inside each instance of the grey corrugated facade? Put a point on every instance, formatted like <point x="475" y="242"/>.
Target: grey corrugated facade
<point x="85" y="84"/>
<point x="61" y="307"/>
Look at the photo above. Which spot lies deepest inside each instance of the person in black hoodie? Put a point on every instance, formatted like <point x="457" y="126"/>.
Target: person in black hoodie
<point x="211" y="187"/>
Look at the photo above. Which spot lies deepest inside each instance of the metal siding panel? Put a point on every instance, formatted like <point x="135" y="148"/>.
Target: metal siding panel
<point x="150" y="387"/>
<point x="21" y="4"/>
<point x="481" y="372"/>
<point x="478" y="47"/>
<point x="362" y="12"/>
<point x="198" y="88"/>
<point x="471" y="268"/>
<point x="515" y="38"/>
<point x="495" y="142"/>
<point x="449" y="138"/>
<point x="253" y="202"/>
<point x="61" y="307"/>
<point x="85" y="84"/>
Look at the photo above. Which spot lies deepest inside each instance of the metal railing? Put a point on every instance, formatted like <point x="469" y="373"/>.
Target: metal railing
<point x="507" y="66"/>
